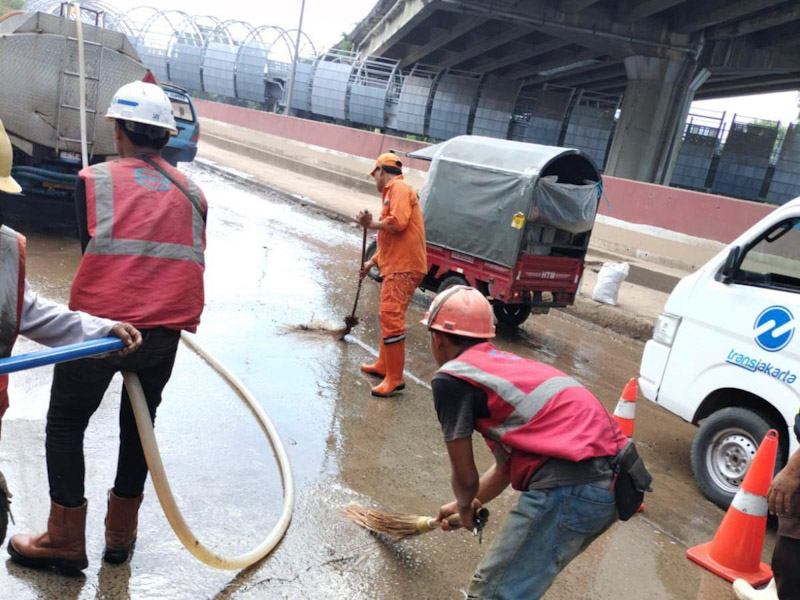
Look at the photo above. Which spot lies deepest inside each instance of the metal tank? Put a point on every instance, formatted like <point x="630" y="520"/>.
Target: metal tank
<point x="39" y="97"/>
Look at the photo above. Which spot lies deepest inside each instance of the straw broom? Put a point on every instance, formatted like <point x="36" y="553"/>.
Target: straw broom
<point x="397" y="526"/>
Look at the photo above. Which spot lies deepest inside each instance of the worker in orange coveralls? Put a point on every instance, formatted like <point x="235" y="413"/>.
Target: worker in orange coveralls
<point x="403" y="262"/>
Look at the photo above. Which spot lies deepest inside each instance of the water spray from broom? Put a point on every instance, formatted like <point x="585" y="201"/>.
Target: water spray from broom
<point x="350" y="320"/>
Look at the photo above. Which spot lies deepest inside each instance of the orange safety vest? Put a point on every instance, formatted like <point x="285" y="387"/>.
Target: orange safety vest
<point x="12" y="293"/>
<point x="145" y="261"/>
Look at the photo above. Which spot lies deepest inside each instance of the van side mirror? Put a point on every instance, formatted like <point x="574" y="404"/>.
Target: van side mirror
<point x="731" y="266"/>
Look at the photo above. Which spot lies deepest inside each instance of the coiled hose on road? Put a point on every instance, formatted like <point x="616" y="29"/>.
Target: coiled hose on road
<point x="153" y="457"/>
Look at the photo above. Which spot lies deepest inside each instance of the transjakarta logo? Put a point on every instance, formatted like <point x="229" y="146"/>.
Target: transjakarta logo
<point x="772" y="331"/>
<point x="756" y="365"/>
<point x="774" y="328"/>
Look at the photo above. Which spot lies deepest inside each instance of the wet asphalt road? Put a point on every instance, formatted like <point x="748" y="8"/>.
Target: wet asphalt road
<point x="271" y="266"/>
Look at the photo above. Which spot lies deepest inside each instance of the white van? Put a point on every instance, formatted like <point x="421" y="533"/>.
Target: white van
<point x="724" y="353"/>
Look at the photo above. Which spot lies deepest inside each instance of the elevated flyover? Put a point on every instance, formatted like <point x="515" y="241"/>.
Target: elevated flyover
<point x="656" y="55"/>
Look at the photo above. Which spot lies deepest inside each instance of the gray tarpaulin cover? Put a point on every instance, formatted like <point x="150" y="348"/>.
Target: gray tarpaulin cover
<point x="564" y="205"/>
<point x="479" y="187"/>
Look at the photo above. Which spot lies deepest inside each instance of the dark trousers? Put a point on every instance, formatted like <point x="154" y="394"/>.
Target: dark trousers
<point x="786" y="567"/>
<point x="78" y="387"/>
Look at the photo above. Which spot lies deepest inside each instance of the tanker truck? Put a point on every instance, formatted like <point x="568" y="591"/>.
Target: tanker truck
<point x="40" y="106"/>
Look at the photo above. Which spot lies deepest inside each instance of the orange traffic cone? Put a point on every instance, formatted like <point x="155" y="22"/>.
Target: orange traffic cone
<point x="735" y="551"/>
<point x="625" y="413"/>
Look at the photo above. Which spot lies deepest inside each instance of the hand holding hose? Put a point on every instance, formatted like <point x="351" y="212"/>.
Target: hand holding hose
<point x="129" y="335"/>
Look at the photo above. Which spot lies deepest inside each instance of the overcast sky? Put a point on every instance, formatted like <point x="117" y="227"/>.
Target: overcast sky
<point x="326" y="20"/>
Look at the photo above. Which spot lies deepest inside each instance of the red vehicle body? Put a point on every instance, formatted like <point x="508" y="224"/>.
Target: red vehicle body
<point x="526" y="283"/>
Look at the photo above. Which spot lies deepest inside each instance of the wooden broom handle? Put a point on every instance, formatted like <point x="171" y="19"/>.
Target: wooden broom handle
<point x="455" y="519"/>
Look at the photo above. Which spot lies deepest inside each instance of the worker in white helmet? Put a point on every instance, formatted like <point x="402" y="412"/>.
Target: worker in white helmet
<point x="24" y="312"/>
<point x="142" y="228"/>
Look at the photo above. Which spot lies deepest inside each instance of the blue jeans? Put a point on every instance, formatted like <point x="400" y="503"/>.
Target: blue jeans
<point x="543" y="533"/>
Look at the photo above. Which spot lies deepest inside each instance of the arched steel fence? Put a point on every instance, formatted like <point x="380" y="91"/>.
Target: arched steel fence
<point x="234" y="59"/>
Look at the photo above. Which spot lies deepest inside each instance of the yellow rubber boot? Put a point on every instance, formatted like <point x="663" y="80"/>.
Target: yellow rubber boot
<point x="379" y="366"/>
<point x="395" y="362"/>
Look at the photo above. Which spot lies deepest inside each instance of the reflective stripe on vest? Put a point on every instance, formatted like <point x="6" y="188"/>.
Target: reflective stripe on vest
<point x="11" y="288"/>
<point x="526" y="406"/>
<point x="104" y="243"/>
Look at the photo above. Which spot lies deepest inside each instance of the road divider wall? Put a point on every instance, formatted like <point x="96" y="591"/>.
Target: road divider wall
<point x="685" y="212"/>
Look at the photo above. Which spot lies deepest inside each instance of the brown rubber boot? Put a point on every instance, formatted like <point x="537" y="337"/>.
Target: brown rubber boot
<point x="62" y="546"/>
<point x="395" y="361"/>
<point x="121" y="521"/>
<point x="379" y="366"/>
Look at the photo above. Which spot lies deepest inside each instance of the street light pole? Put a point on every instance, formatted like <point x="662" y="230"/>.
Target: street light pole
<point x="294" y="60"/>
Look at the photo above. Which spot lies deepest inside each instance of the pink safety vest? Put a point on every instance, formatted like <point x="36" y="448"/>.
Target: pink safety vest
<point x="12" y="293"/>
<point x="145" y="261"/>
<point x="536" y="412"/>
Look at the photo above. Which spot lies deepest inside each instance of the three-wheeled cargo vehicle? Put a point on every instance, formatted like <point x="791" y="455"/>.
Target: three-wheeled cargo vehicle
<point x="510" y="219"/>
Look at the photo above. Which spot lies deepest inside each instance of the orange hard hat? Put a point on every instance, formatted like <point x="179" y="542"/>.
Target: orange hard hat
<point x="388" y="159"/>
<point x="461" y="310"/>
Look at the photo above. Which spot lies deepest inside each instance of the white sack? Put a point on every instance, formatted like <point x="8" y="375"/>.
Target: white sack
<point x="609" y="280"/>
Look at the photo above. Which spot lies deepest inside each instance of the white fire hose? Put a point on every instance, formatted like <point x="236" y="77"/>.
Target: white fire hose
<point x="141" y="413"/>
<point x="161" y="484"/>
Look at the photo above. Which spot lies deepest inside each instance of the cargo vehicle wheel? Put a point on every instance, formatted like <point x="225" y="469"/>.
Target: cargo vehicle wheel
<point x="450" y="281"/>
<point x="723" y="449"/>
<point x="512" y="315"/>
<point x="374" y="272"/>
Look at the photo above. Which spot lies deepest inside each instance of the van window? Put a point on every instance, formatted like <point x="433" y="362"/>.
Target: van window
<point x="773" y="261"/>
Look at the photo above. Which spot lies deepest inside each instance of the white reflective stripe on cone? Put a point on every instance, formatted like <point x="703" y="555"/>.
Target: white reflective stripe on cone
<point x="750" y="504"/>
<point x="625" y="410"/>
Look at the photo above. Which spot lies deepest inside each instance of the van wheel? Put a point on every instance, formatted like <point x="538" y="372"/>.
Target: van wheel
<point x="450" y="281"/>
<point x="374" y="272"/>
<point x="512" y="315"/>
<point x="723" y="449"/>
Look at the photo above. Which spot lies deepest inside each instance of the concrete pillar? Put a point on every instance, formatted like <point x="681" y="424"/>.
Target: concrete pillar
<point x="654" y="109"/>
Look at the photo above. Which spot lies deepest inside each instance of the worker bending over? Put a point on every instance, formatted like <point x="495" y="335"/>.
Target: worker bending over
<point x="402" y="260"/>
<point x="552" y="440"/>
<point x="142" y="227"/>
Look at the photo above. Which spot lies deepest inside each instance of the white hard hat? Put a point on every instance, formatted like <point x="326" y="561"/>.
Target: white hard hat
<point x="145" y="103"/>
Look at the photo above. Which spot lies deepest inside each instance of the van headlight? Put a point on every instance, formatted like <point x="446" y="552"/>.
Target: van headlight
<point x="666" y="328"/>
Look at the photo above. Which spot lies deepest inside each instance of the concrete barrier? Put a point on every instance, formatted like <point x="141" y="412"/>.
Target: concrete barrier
<point x="685" y="212"/>
<point x="696" y="214"/>
<point x="334" y="137"/>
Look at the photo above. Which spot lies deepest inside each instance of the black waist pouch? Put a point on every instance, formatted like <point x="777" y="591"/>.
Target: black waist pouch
<point x="632" y="481"/>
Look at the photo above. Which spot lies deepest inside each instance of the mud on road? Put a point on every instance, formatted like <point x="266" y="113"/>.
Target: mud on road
<point x="272" y="266"/>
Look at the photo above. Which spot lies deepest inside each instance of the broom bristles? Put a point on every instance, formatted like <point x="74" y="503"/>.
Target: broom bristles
<point x="396" y="526"/>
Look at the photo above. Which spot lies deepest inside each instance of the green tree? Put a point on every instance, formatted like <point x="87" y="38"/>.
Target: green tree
<point x="346" y="43"/>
